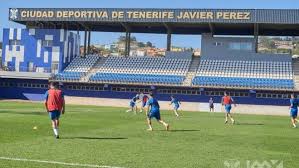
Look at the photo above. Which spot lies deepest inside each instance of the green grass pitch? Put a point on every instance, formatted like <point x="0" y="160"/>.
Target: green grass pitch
<point x="109" y="136"/>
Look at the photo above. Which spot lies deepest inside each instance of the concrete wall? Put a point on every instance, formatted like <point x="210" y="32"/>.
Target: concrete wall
<point x="210" y="51"/>
<point x="208" y="47"/>
<point x="186" y="106"/>
<point x="29" y="89"/>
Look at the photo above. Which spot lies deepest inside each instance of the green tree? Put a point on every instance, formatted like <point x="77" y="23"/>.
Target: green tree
<point x="123" y="38"/>
<point x="140" y="44"/>
<point x="149" y="44"/>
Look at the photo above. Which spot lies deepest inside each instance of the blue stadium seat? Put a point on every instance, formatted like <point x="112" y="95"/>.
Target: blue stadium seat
<point x="257" y="71"/>
<point x="77" y="68"/>
<point x="243" y="82"/>
<point x="137" y="78"/>
<point x="71" y="76"/>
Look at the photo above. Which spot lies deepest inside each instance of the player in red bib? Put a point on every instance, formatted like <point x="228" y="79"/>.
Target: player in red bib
<point x="143" y="98"/>
<point x="55" y="105"/>
<point x="227" y="102"/>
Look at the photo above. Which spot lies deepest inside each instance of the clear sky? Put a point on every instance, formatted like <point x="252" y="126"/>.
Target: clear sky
<point x="158" y="40"/>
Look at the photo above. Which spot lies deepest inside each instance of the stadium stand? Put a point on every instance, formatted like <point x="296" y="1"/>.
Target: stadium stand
<point x="251" y="72"/>
<point x="230" y="59"/>
<point x="296" y="72"/>
<point x="142" y="70"/>
<point x="77" y="68"/>
<point x="137" y="78"/>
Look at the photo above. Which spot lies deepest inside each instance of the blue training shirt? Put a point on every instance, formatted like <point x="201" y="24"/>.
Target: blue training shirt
<point x="294" y="103"/>
<point x="155" y="107"/>
<point x="176" y="102"/>
<point x="134" y="99"/>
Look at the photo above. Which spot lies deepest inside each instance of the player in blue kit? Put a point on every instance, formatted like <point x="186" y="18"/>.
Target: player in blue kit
<point x="153" y="111"/>
<point x="294" y="110"/>
<point x="132" y="104"/>
<point x="176" y="105"/>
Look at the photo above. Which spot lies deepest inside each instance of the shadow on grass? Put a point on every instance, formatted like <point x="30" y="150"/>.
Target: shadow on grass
<point x="249" y="124"/>
<point x="95" y="138"/>
<point x="24" y="113"/>
<point x="181" y="130"/>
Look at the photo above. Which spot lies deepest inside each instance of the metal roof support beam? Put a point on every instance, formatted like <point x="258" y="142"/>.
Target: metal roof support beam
<point x="212" y="28"/>
<point x="78" y="29"/>
<point x="168" y="41"/>
<point x="128" y="38"/>
<point x="256" y="37"/>
<point x="86" y="30"/>
<point x="169" y="31"/>
<point x="85" y="39"/>
<point x="129" y="44"/>
<point x="127" y="27"/>
<point x="88" y="45"/>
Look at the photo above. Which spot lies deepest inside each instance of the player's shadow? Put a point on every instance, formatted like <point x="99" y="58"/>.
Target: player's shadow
<point x="249" y="124"/>
<point x="95" y="138"/>
<point x="181" y="130"/>
<point x="24" y="113"/>
<point x="184" y="130"/>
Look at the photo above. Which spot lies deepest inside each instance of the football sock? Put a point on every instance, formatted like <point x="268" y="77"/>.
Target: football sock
<point x="150" y="127"/>
<point x="55" y="130"/>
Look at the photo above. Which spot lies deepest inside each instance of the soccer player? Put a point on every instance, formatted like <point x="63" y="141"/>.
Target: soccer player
<point x="143" y="98"/>
<point x="55" y="105"/>
<point x="294" y="110"/>
<point x="211" y="104"/>
<point x="176" y="105"/>
<point x="153" y="111"/>
<point x="227" y="102"/>
<point x="133" y="106"/>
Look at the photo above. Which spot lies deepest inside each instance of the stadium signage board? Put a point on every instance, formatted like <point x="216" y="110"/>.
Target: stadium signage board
<point x="154" y="15"/>
<point x="104" y="14"/>
<point x="174" y="15"/>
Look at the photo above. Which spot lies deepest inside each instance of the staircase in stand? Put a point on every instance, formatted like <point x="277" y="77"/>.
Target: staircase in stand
<point x="192" y="71"/>
<point x="94" y="69"/>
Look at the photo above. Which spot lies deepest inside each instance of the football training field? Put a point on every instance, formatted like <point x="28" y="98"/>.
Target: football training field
<point x="107" y="137"/>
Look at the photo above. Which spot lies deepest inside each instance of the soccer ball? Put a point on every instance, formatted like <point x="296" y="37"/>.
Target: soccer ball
<point x="35" y="127"/>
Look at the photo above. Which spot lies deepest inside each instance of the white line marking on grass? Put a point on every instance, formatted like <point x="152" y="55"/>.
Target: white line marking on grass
<point x="58" y="163"/>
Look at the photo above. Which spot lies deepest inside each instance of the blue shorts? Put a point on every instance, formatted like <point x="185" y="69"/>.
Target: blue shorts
<point x="155" y="115"/>
<point x="54" y="114"/>
<point x="132" y="104"/>
<point x="293" y="112"/>
<point x="176" y="107"/>
<point x="228" y="108"/>
<point x="143" y="104"/>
